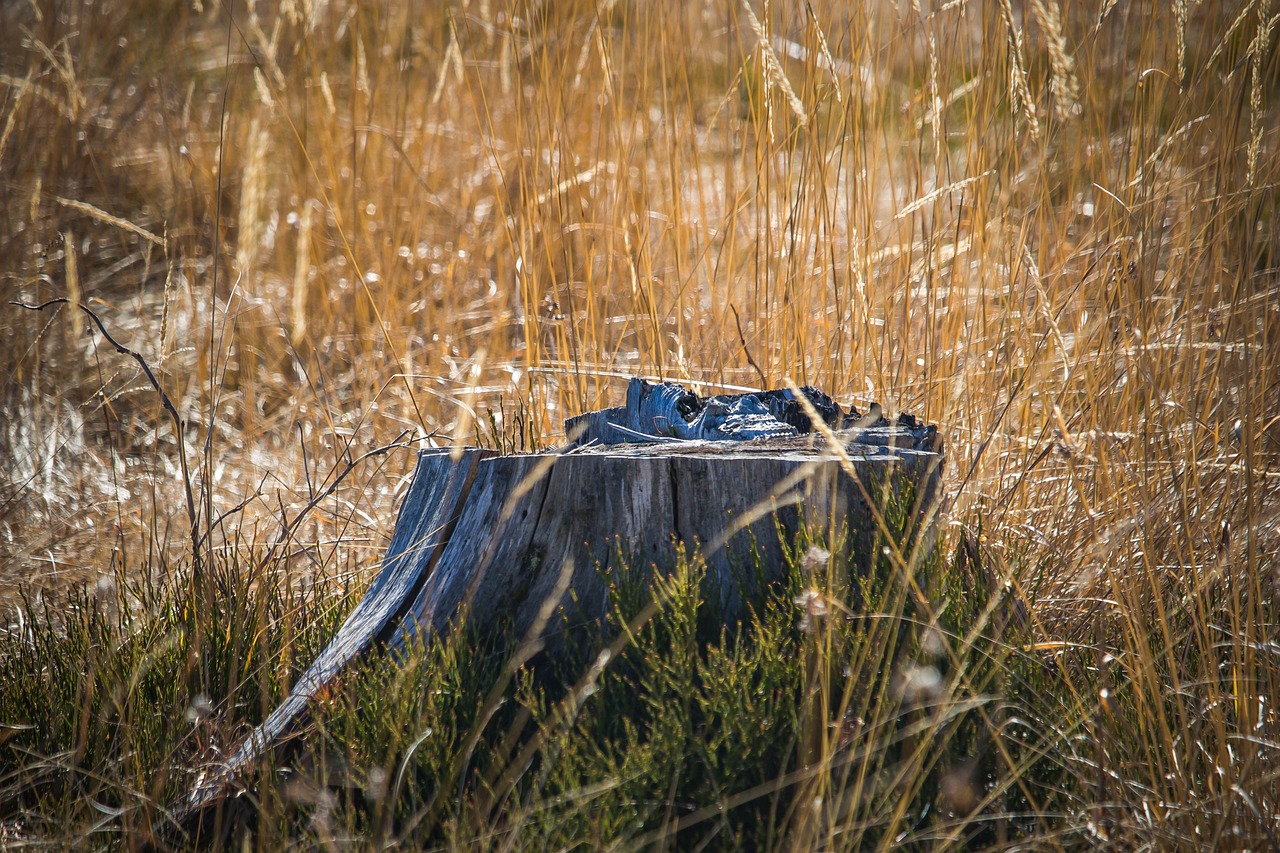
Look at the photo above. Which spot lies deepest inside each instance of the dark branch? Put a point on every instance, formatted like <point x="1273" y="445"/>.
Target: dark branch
<point x="764" y="383"/>
<point x="178" y="425"/>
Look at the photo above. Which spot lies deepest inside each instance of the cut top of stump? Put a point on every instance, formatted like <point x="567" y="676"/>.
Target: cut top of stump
<point x="667" y="413"/>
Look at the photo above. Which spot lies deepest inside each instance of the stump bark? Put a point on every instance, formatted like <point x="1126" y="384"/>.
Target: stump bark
<point x="494" y="536"/>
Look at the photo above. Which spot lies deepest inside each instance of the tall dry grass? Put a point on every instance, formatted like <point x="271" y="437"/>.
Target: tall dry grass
<point x="1050" y="228"/>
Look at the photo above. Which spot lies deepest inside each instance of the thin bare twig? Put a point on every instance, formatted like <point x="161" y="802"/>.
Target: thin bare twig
<point x="290" y="527"/>
<point x="764" y="382"/>
<point x="178" y="424"/>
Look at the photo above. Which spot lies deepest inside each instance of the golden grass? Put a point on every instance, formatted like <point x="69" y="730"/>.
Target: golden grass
<point x="1050" y="229"/>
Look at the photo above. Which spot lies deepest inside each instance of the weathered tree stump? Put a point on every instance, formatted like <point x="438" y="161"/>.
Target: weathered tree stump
<point x="495" y="537"/>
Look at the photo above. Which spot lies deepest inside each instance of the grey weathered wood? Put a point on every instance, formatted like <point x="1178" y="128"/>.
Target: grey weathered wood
<point x="595" y="529"/>
<point x="494" y="537"/>
<point x="489" y="546"/>
<point x="426" y="519"/>
<point x="756" y="480"/>
<point x="666" y="411"/>
<point x="784" y="484"/>
<point x="584" y="508"/>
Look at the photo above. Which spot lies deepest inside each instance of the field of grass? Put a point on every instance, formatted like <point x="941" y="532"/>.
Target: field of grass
<point x="321" y="234"/>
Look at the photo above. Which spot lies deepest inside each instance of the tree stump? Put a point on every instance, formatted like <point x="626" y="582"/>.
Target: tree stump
<point x="517" y="538"/>
<point x="599" y="512"/>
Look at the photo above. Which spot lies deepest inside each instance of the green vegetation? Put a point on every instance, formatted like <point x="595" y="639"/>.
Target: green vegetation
<point x="811" y="721"/>
<point x="330" y="231"/>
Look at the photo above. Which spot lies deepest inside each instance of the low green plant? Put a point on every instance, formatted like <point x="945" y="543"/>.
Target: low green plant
<point x="664" y="725"/>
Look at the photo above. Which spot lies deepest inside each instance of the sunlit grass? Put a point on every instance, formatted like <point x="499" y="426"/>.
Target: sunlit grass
<point x="1051" y="229"/>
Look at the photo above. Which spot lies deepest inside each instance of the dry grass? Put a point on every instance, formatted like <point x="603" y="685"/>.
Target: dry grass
<point x="1050" y="228"/>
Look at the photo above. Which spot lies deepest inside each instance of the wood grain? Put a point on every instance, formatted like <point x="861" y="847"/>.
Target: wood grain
<point x="491" y="539"/>
<point x="426" y="519"/>
<point x="489" y="548"/>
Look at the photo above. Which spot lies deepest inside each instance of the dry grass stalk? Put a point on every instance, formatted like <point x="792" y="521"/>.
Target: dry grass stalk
<point x="264" y="91"/>
<point x="166" y="316"/>
<point x="72" y="273"/>
<point x="13" y="111"/>
<point x="44" y="93"/>
<point x="1258" y="50"/>
<point x="928" y="198"/>
<point x="823" y="47"/>
<point x="1046" y="310"/>
<point x="362" y="65"/>
<point x="1065" y="86"/>
<point x="1180" y="13"/>
<point x="934" y="110"/>
<point x="104" y="217"/>
<point x="267" y="47"/>
<point x="64" y="67"/>
<point x="327" y="92"/>
<point x="301" y="279"/>
<point x="253" y="185"/>
<point x="1226" y="38"/>
<point x="1019" y="88"/>
<point x="1089" y="320"/>
<point x="774" y="73"/>
<point x="450" y="64"/>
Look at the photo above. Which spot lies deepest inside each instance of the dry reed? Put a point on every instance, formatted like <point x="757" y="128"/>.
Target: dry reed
<point x="416" y="216"/>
